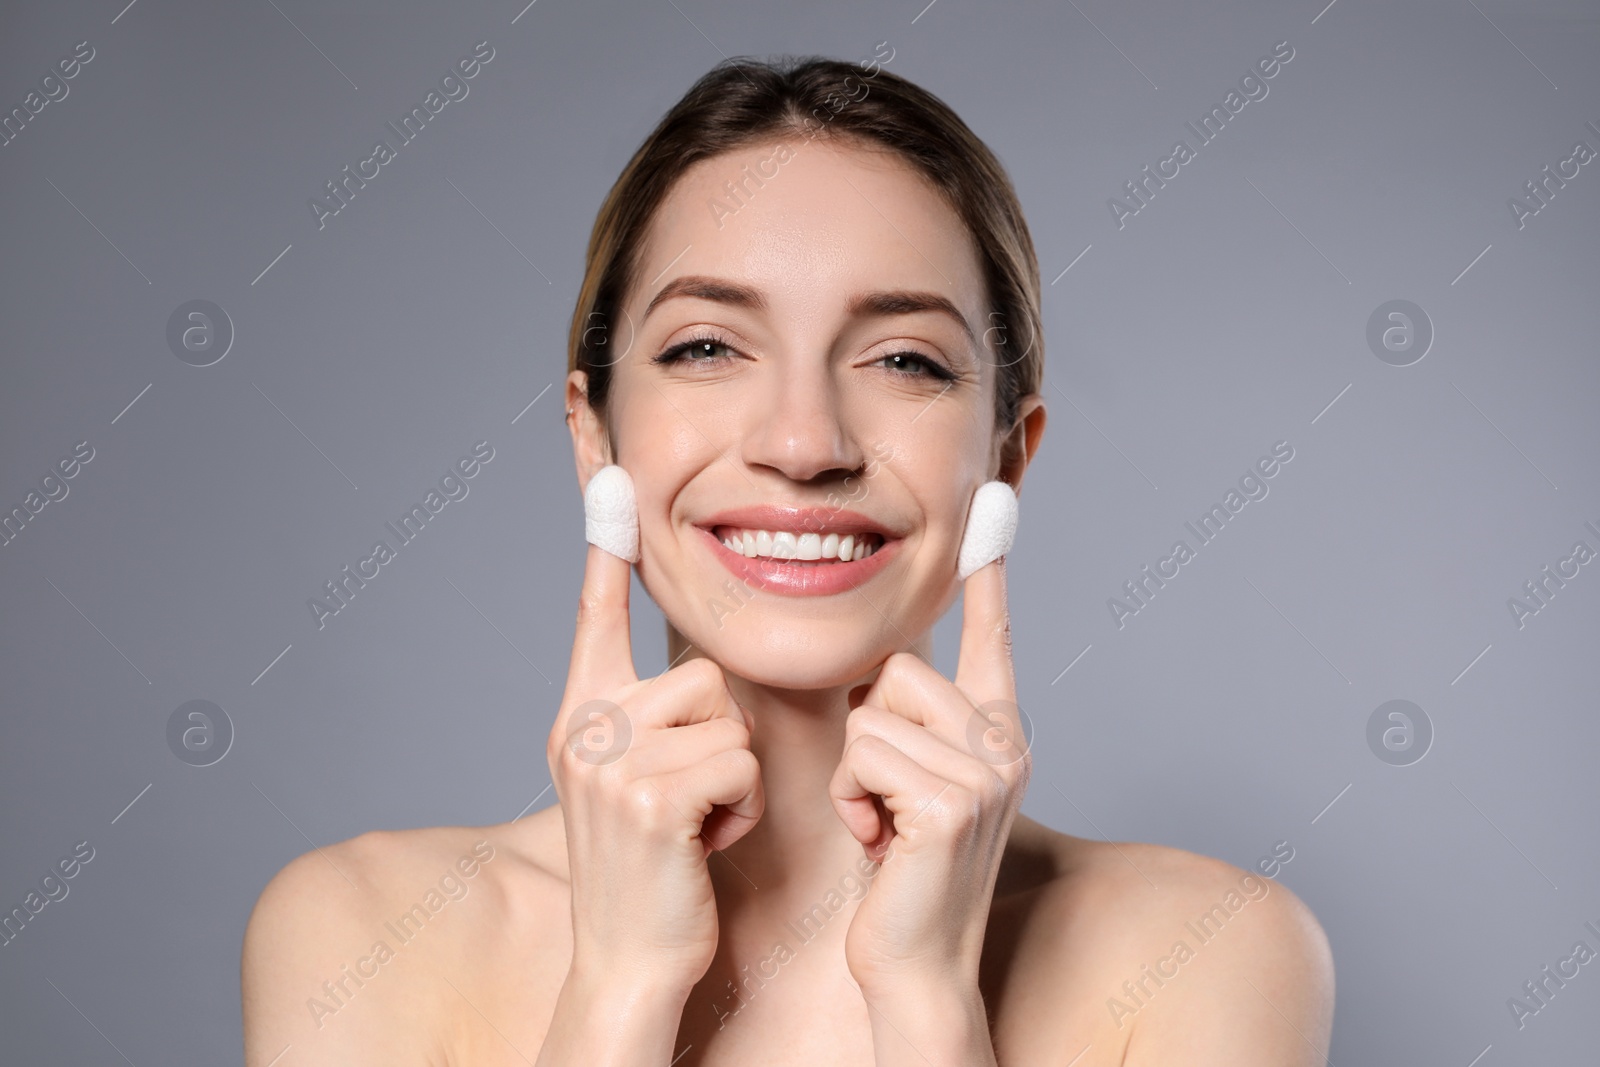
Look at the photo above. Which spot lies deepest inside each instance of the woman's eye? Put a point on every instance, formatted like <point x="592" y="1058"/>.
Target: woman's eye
<point x="913" y="365"/>
<point x="699" y="350"/>
<point x="708" y="351"/>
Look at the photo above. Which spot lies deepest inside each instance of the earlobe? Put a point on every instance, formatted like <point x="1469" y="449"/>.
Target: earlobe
<point x="589" y="444"/>
<point x="991" y="527"/>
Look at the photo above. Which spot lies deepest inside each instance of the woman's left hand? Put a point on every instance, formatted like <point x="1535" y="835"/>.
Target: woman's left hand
<point x="950" y="765"/>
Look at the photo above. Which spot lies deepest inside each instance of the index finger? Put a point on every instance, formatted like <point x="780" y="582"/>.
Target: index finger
<point x="602" y="647"/>
<point x="984" y="671"/>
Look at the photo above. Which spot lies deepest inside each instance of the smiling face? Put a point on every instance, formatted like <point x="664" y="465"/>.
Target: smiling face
<point x="801" y="361"/>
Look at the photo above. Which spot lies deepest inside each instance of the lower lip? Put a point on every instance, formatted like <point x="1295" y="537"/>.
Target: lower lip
<point x="801" y="579"/>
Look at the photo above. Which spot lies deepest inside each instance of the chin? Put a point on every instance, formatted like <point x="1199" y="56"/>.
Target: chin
<point x="786" y="655"/>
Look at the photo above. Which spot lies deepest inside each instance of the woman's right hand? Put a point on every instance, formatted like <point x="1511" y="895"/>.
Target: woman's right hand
<point x="652" y="776"/>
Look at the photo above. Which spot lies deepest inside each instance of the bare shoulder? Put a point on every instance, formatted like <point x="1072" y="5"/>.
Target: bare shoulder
<point x="362" y="951"/>
<point x="1184" y="953"/>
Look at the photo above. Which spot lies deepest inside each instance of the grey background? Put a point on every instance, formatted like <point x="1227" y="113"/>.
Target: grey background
<point x="1229" y="314"/>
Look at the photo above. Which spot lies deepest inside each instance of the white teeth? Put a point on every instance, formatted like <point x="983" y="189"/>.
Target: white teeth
<point x="790" y="545"/>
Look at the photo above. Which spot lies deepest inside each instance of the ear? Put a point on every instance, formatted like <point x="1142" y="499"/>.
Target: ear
<point x="1019" y="445"/>
<point x="590" y="448"/>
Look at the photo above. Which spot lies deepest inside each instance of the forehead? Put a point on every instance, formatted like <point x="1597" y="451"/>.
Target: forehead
<point x="809" y="223"/>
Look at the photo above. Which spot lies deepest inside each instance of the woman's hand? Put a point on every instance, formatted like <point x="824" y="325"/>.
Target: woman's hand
<point x="950" y="764"/>
<point x="652" y="775"/>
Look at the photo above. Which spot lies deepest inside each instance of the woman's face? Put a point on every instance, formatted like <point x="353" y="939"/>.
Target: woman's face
<point x="837" y="378"/>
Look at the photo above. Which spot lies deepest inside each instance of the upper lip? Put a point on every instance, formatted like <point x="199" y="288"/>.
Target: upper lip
<point x="820" y="520"/>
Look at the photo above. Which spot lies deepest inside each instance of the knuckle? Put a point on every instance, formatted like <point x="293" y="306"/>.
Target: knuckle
<point x="1022" y="772"/>
<point x="864" y="745"/>
<point x="852" y="746"/>
<point x="564" y="763"/>
<point x="973" y="804"/>
<point x="899" y="663"/>
<point x="557" y="748"/>
<point x="957" y="806"/>
<point x="591" y="606"/>
<point x="740" y="734"/>
<point x="594" y="732"/>
<point x="731" y="734"/>
<point x="861" y="721"/>
<point x="995" y="791"/>
<point x="859" y="713"/>
<point x="645" y="804"/>
<point x="744" y="763"/>
<point x="701" y="672"/>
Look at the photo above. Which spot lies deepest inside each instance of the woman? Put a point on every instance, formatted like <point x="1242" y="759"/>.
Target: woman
<point x="810" y="321"/>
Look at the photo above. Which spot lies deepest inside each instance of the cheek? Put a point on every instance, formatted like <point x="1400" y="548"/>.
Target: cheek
<point x="942" y="478"/>
<point x="942" y="444"/>
<point x="655" y="493"/>
<point x="659" y="451"/>
<point x="657" y="437"/>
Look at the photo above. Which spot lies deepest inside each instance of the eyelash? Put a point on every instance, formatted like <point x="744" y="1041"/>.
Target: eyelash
<point x="678" y="353"/>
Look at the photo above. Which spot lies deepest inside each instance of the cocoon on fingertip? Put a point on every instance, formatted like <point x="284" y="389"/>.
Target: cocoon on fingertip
<point x="611" y="514"/>
<point x="991" y="527"/>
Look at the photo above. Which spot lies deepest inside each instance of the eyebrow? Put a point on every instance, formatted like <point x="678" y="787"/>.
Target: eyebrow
<point x="875" y="302"/>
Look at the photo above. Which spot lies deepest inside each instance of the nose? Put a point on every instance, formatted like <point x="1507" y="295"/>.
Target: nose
<point x="799" y="426"/>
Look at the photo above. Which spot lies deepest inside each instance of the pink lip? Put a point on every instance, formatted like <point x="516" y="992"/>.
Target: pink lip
<point x="811" y="578"/>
